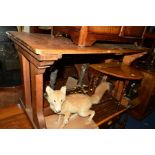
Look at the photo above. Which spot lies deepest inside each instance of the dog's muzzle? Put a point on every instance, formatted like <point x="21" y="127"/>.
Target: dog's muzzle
<point x="57" y="111"/>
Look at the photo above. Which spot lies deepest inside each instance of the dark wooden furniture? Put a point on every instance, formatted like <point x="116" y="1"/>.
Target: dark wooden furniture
<point x="121" y="73"/>
<point x="37" y="52"/>
<point x="41" y="29"/>
<point x="87" y="35"/>
<point x="145" y="102"/>
<point x="109" y="110"/>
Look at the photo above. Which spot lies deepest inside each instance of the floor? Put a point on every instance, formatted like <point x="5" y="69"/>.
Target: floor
<point x="146" y="123"/>
<point x="9" y="95"/>
<point x="13" y="117"/>
<point x="11" y="114"/>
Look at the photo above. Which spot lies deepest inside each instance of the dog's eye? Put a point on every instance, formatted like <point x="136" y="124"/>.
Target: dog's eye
<point x="54" y="100"/>
<point x="61" y="100"/>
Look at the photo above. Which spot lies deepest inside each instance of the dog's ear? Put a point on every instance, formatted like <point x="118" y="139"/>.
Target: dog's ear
<point x="63" y="89"/>
<point x="49" y="90"/>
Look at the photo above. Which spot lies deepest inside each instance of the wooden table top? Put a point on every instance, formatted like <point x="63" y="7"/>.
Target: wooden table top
<point x="118" y="70"/>
<point x="47" y="44"/>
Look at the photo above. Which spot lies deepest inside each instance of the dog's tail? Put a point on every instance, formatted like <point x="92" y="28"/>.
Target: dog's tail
<point x="99" y="92"/>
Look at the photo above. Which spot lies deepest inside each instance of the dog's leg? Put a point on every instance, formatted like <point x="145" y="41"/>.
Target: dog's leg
<point x="87" y="113"/>
<point x="66" y="119"/>
<point x="92" y="113"/>
<point x="73" y="116"/>
<point x="59" y="119"/>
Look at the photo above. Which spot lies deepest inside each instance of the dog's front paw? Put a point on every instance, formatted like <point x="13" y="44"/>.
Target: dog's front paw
<point x="66" y="121"/>
<point x="61" y="126"/>
<point x="87" y="122"/>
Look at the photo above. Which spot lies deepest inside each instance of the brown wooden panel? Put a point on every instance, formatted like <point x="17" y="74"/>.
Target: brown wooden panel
<point x="145" y="93"/>
<point x="117" y="70"/>
<point x="26" y="80"/>
<point x="133" y="31"/>
<point x="43" y="44"/>
<point x="125" y="34"/>
<point x="37" y="96"/>
<point x="104" y="29"/>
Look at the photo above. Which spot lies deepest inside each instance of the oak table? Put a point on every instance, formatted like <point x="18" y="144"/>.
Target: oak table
<point x="38" y="52"/>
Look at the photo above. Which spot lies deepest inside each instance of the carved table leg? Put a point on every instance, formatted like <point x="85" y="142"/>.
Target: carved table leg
<point x="33" y="71"/>
<point x="37" y="96"/>
<point x="26" y="80"/>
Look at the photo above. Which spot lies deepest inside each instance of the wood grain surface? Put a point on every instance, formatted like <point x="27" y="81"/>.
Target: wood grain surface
<point x="46" y="44"/>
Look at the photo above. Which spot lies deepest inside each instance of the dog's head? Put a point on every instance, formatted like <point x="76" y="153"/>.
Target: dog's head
<point x="56" y="98"/>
